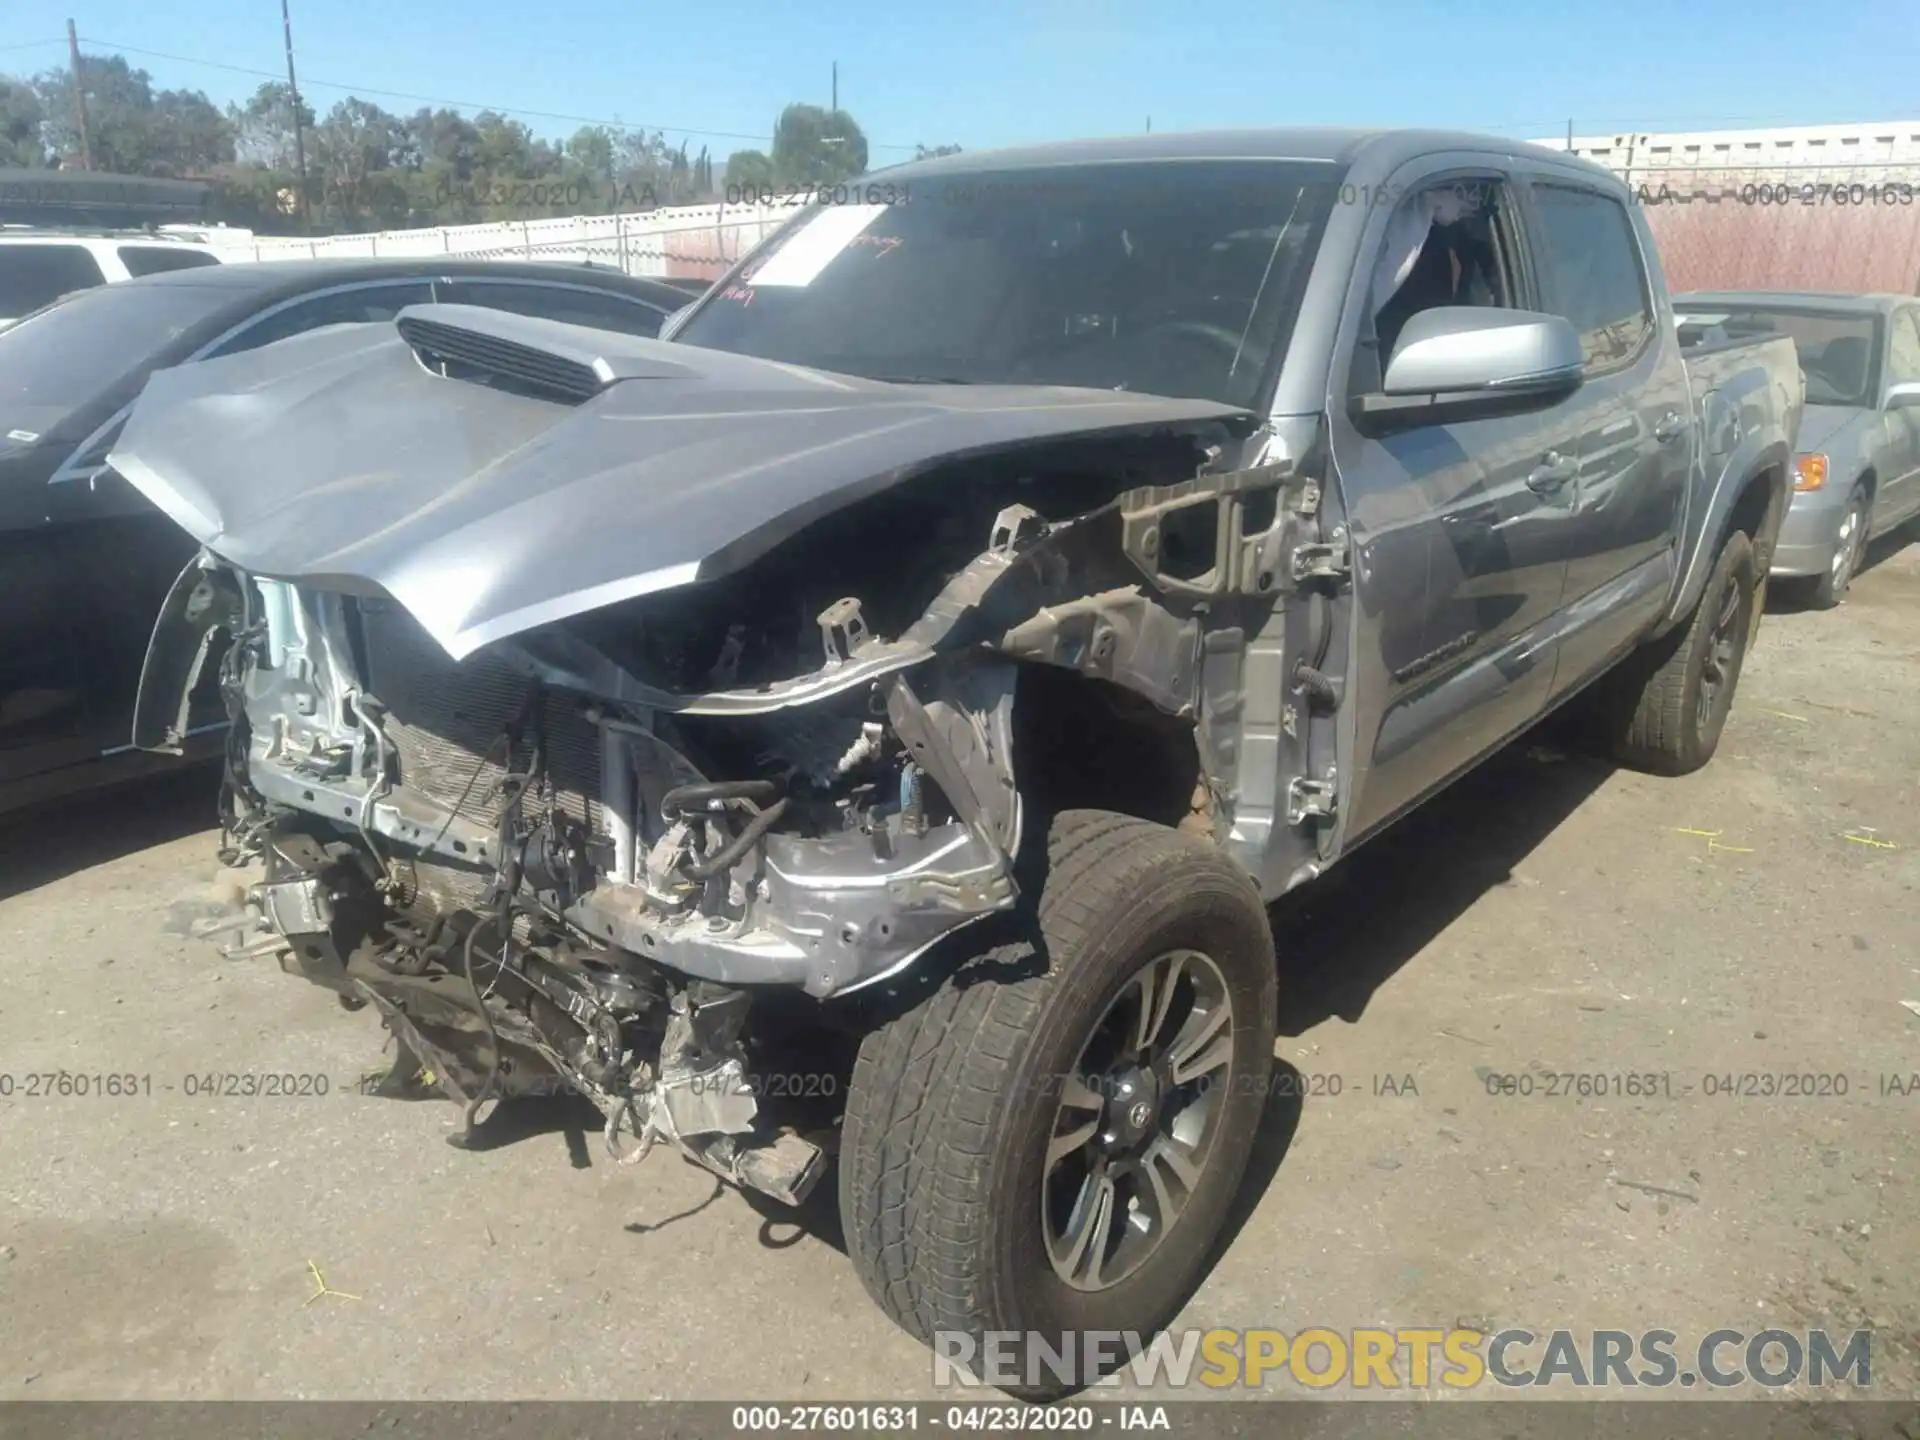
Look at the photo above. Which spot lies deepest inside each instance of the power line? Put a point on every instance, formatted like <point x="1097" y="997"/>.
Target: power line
<point x="309" y="83"/>
<point x="29" y="45"/>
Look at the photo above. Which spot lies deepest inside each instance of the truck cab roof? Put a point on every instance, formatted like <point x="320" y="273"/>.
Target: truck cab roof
<point x="1336" y="145"/>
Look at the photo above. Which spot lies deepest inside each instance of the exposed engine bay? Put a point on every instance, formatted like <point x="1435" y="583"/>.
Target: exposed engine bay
<point x="593" y="848"/>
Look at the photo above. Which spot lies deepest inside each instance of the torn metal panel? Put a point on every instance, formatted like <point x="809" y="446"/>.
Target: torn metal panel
<point x="1239" y="555"/>
<point x="962" y="735"/>
<point x="828" y="914"/>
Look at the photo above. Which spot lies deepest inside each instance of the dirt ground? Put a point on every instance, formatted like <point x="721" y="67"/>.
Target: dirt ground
<point x="1547" y="915"/>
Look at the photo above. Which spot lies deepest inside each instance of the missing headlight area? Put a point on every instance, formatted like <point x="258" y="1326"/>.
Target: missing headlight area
<point x="600" y="848"/>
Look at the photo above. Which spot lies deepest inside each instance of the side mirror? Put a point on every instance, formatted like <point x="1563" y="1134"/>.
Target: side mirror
<point x="1903" y="396"/>
<point x="1454" y="348"/>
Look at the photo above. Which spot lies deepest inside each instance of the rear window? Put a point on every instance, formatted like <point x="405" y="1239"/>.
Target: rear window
<point x="1837" y="352"/>
<point x="1593" y="272"/>
<point x="571" y="304"/>
<point x="152" y="259"/>
<point x="36" y="275"/>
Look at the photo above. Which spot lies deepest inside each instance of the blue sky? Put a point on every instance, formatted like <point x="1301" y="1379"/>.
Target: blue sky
<point x="987" y="72"/>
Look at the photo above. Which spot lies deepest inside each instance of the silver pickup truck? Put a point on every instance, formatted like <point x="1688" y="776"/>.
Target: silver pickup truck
<point x="873" y="721"/>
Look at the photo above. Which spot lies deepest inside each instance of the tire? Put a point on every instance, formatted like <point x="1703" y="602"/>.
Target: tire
<point x="1850" y="547"/>
<point x="944" y="1163"/>
<point x="1654" y="706"/>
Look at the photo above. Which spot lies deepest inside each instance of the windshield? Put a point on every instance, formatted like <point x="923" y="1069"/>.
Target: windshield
<point x="58" y="359"/>
<point x="1170" y="278"/>
<point x="1838" y="352"/>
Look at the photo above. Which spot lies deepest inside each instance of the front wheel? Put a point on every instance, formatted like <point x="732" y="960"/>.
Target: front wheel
<point x="1849" y="549"/>
<point x="1051" y="1140"/>
<point x="1669" y="701"/>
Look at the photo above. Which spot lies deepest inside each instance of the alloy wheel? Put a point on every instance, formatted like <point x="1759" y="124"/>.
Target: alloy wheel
<point x="1136" y="1121"/>
<point x="1723" y="655"/>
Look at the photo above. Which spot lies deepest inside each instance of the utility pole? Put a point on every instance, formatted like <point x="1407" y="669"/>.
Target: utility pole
<point x="1149" y="124"/>
<point x="1569" y="137"/>
<point x="299" y="131"/>
<point x="79" y="98"/>
<point x="836" y="89"/>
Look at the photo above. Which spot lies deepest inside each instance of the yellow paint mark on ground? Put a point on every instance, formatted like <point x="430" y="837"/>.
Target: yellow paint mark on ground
<point x="1712" y="837"/>
<point x="1869" y="839"/>
<point x="320" y="1287"/>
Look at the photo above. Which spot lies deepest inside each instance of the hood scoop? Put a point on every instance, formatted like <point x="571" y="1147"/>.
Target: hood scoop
<point x="547" y="359"/>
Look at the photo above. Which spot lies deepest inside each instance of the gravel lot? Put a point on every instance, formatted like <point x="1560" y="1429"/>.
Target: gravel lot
<point x="1547" y="915"/>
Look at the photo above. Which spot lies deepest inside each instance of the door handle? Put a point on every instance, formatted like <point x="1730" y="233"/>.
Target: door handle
<point x="1670" y="428"/>
<point x="1553" y="472"/>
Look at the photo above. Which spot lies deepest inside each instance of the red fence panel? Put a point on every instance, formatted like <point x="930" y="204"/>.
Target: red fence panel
<point x="1718" y="237"/>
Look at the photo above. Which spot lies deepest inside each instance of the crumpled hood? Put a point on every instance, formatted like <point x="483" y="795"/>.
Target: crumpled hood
<point x="337" y="458"/>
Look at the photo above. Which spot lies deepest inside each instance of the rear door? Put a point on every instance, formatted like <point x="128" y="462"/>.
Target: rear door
<point x="74" y="539"/>
<point x="1461" y="533"/>
<point x="43" y="701"/>
<point x="1633" y="446"/>
<point x="1899" y="495"/>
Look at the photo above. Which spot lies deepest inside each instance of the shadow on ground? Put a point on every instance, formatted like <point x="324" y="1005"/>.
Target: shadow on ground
<point x="56" y="838"/>
<point x="572" y="1117"/>
<point x="1344" y="936"/>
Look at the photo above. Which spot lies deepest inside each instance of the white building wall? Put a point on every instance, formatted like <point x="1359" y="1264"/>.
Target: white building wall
<point x="1744" y="156"/>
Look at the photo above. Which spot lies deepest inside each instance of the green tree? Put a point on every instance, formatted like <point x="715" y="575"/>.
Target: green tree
<point x="934" y="152"/>
<point x="21" y="117"/>
<point x="814" y="146"/>
<point x="750" y="171"/>
<point x="590" y="152"/>
<point x="131" y="128"/>
<point x="441" y="158"/>
<point x="356" y="159"/>
<point x="263" y="128"/>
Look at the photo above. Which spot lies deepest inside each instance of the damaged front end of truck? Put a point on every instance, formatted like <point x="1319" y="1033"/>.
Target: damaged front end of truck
<point x="592" y="710"/>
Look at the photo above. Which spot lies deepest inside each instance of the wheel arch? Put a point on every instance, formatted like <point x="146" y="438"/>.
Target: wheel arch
<point x="1083" y="743"/>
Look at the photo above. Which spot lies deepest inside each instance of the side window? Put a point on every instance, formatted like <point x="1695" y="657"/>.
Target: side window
<point x="152" y="259"/>
<point x="1591" y="263"/>
<point x="1446" y="244"/>
<point x="598" y="309"/>
<point x="36" y="275"/>
<point x="1903" y="349"/>
<point x="354" y="306"/>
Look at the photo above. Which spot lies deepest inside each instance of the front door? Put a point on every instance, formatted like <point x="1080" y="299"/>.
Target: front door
<point x="1461" y="534"/>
